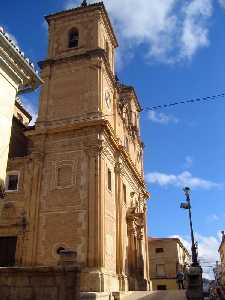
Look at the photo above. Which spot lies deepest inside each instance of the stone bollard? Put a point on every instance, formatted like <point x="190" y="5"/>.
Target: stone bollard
<point x="194" y="283"/>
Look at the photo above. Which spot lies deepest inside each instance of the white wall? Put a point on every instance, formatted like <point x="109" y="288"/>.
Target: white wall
<point x="8" y="90"/>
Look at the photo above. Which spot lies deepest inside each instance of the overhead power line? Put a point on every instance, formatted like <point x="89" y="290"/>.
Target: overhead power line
<point x="189" y="101"/>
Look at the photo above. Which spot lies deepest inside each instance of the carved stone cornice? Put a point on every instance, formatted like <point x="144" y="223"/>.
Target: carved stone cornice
<point x="17" y="66"/>
<point x="90" y="54"/>
<point x="66" y="128"/>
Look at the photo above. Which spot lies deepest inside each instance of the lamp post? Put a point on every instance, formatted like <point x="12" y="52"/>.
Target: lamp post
<point x="187" y="205"/>
<point x="194" y="275"/>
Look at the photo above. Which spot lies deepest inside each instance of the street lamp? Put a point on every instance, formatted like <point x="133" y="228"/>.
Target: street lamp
<point x="194" y="274"/>
<point x="187" y="205"/>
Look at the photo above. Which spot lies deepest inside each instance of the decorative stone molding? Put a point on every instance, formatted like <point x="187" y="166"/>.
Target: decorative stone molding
<point x="13" y="61"/>
<point x="118" y="167"/>
<point x="94" y="150"/>
<point x="135" y="223"/>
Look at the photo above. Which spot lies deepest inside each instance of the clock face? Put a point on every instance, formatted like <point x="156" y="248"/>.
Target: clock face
<point x="108" y="99"/>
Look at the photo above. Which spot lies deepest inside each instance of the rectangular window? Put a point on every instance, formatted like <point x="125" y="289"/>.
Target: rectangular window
<point x="109" y="180"/>
<point x="64" y="176"/>
<point x="160" y="270"/>
<point x="161" y="287"/>
<point x="159" y="250"/>
<point x="124" y="193"/>
<point x="12" y="182"/>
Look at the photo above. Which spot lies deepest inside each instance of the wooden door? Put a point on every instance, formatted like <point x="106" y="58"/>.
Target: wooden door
<point x="7" y="251"/>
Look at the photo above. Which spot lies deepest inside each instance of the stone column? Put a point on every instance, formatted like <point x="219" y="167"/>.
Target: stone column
<point x="95" y="210"/>
<point x="119" y="230"/>
<point x="132" y="247"/>
<point x="36" y="171"/>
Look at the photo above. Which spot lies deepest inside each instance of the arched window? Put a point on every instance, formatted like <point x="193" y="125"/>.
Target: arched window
<point x="73" y="38"/>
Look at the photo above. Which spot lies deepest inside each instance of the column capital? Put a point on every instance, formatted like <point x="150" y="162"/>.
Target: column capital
<point x="118" y="167"/>
<point x="94" y="150"/>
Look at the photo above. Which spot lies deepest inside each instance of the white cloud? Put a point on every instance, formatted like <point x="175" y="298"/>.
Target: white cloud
<point x="188" y="162"/>
<point x="195" y="29"/>
<point x="207" y="251"/>
<point x="181" y="180"/>
<point x="172" y="30"/>
<point x="161" y="118"/>
<point x="222" y="3"/>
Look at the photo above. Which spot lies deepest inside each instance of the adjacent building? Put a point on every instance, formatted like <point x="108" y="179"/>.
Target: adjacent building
<point x="167" y="256"/>
<point x="218" y="274"/>
<point x="78" y="183"/>
<point x="17" y="75"/>
<point x="222" y="258"/>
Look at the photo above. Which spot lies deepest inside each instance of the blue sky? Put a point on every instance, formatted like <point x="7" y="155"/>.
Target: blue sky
<point x="170" y="50"/>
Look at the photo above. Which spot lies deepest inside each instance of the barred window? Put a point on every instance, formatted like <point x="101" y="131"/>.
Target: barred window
<point x="12" y="181"/>
<point x="73" y="38"/>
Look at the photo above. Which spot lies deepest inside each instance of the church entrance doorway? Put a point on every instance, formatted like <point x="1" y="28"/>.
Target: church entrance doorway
<point x="7" y="251"/>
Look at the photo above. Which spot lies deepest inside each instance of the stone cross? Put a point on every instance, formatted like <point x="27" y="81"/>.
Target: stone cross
<point x="84" y="3"/>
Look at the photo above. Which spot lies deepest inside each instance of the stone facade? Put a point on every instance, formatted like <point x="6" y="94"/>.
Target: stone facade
<point x="167" y="256"/>
<point x="16" y="74"/>
<point x="81" y="185"/>
<point x="40" y="283"/>
<point x="221" y="251"/>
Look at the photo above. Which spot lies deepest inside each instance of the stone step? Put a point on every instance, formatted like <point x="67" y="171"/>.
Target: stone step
<point x="156" y="295"/>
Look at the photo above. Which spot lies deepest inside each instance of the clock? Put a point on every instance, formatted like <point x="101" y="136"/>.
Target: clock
<point x="108" y="99"/>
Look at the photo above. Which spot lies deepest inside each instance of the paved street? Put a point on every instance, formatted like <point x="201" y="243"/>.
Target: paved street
<point x="159" y="295"/>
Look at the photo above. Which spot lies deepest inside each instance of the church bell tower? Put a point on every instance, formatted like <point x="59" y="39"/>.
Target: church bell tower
<point x="91" y="195"/>
<point x="81" y="41"/>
